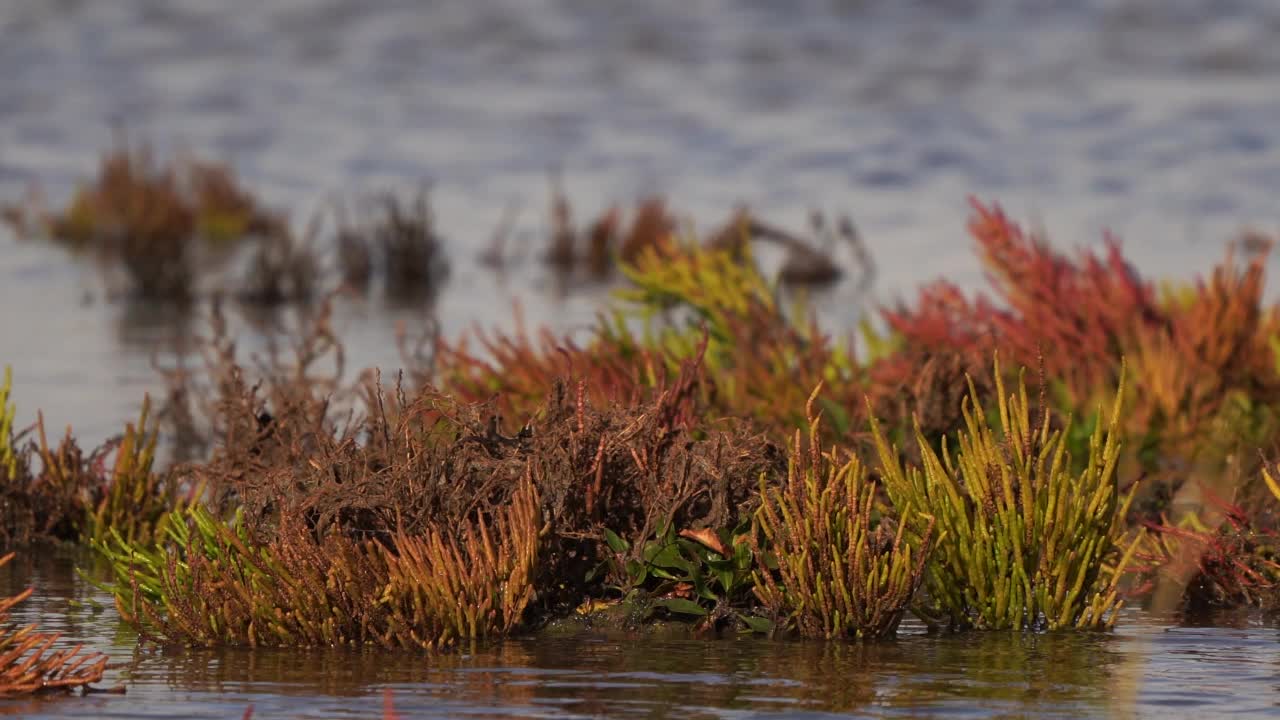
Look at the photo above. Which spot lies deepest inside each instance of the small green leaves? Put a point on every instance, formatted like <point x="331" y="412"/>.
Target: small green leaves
<point x="681" y="606"/>
<point x="687" y="567"/>
<point x="616" y="543"/>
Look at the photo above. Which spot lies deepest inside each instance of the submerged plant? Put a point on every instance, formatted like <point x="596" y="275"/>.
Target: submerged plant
<point x="28" y="661"/>
<point x="1023" y="541"/>
<point x="398" y="238"/>
<point x="840" y="571"/>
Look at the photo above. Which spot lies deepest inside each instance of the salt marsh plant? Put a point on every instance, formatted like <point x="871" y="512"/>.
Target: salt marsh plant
<point x="843" y="568"/>
<point x="133" y="500"/>
<point x="443" y="589"/>
<point x="59" y="493"/>
<point x="161" y="223"/>
<point x="1023" y="540"/>
<point x="1220" y="557"/>
<point x="398" y="238"/>
<point x="1201" y="352"/>
<point x="210" y="583"/>
<point x="1192" y="566"/>
<point x="8" y="458"/>
<point x="28" y="661"/>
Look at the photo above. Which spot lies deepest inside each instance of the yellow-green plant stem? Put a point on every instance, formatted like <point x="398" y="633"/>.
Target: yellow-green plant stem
<point x="840" y="576"/>
<point x="1023" y="542"/>
<point x="8" y="458"/>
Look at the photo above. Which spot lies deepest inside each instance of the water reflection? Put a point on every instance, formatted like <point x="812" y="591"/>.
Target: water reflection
<point x="1151" y="664"/>
<point x="1157" y="120"/>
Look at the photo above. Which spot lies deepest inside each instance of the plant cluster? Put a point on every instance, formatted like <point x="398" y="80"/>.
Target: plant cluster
<point x="209" y="582"/>
<point x="58" y="493"/>
<point x="169" y="225"/>
<point x="675" y="462"/>
<point x="29" y="662"/>
<point x="428" y="523"/>
<point x="1201" y="396"/>
<point x="842" y="571"/>
<point x="1024" y="540"/>
<point x="160" y="223"/>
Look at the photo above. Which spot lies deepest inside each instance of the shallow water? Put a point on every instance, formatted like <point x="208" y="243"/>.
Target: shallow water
<point x="1156" y="119"/>
<point x="1149" y="666"/>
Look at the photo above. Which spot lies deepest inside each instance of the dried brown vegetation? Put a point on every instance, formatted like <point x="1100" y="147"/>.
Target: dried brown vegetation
<point x="29" y="662"/>
<point x="425" y="524"/>
<point x="432" y="459"/>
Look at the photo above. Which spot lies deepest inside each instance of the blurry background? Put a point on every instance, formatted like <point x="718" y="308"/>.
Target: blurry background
<point x="1156" y="119"/>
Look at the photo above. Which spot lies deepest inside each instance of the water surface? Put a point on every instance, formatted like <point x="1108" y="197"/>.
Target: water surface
<point x="1150" y="666"/>
<point x="1157" y="119"/>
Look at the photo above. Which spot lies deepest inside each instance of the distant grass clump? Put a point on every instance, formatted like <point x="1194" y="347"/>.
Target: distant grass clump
<point x="398" y="239"/>
<point x="161" y="224"/>
<point x="167" y="227"/>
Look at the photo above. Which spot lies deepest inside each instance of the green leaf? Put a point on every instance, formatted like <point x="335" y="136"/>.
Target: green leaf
<point x="726" y="581"/>
<point x="594" y="572"/>
<point x="616" y="543"/>
<point x="664" y="574"/>
<point x="682" y="606"/>
<point x="695" y="549"/>
<point x="636" y="572"/>
<point x="757" y="623"/>
<point x="721" y="565"/>
<point x="670" y="557"/>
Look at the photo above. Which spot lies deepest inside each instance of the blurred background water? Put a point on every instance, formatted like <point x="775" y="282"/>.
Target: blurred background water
<point x="1156" y="119"/>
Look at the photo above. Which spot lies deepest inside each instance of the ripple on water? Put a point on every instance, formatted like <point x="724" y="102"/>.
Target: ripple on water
<point x="1149" y="665"/>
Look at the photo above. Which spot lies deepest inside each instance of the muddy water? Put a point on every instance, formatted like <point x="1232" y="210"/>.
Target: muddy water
<point x="1150" y="666"/>
<point x="1159" y="120"/>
